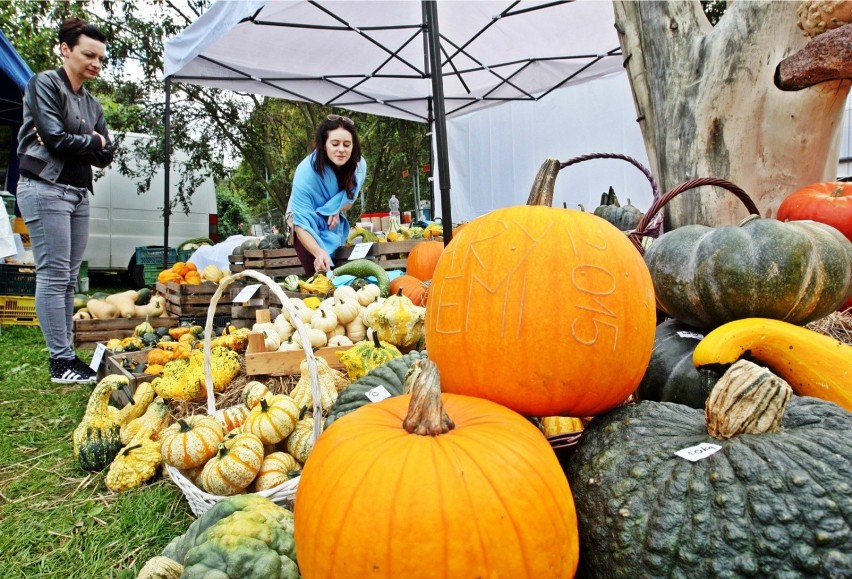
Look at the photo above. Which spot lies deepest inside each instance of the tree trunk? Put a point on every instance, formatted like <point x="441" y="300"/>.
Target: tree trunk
<point x="708" y="107"/>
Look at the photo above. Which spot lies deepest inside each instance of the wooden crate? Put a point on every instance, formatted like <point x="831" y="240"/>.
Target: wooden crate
<point x="192" y="301"/>
<point x="113" y="365"/>
<point x="389" y="255"/>
<point x="87" y="333"/>
<point x="243" y="315"/>
<point x="261" y="362"/>
<point x="283" y="262"/>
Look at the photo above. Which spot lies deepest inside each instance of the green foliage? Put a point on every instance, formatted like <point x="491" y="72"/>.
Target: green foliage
<point x="267" y="137"/>
<point x="59" y="521"/>
<point x="232" y="212"/>
<point x="714" y="9"/>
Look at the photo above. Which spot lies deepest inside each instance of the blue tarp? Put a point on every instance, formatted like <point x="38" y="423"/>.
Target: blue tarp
<point x="14" y="74"/>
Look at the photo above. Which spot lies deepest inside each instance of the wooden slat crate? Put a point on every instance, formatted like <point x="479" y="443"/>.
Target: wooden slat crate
<point x="87" y="333"/>
<point x="282" y="262"/>
<point x="261" y="362"/>
<point x="113" y="365"/>
<point x="191" y="301"/>
<point x="389" y="255"/>
<point x="243" y="315"/>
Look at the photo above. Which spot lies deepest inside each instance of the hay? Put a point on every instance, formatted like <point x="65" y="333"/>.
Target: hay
<point x="232" y="394"/>
<point x="837" y="325"/>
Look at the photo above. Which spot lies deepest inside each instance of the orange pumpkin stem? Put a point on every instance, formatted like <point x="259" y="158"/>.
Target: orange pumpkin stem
<point x="426" y="415"/>
<point x="838" y="191"/>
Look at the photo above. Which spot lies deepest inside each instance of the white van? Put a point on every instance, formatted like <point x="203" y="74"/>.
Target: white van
<point x="122" y="219"/>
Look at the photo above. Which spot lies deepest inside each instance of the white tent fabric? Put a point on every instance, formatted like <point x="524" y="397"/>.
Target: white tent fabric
<point x="370" y="55"/>
<point x="495" y="153"/>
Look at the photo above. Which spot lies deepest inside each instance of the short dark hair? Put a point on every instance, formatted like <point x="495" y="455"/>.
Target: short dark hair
<point x="346" y="173"/>
<point x="71" y="30"/>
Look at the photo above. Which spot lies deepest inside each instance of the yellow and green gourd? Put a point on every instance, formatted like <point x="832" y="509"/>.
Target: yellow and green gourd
<point x="97" y="438"/>
<point x="360" y="359"/>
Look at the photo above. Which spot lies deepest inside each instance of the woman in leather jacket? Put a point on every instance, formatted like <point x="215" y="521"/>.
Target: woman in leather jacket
<point x="63" y="135"/>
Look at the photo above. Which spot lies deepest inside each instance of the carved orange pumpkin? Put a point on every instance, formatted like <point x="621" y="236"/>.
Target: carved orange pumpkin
<point x="414" y="492"/>
<point x="547" y="311"/>
<point x="412" y="288"/>
<point x="423" y="258"/>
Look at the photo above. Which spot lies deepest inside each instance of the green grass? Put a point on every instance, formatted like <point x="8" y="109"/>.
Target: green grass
<point x="57" y="519"/>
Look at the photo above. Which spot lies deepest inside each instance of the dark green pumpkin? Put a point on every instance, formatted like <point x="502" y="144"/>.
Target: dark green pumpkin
<point x="671" y="376"/>
<point x="797" y="272"/>
<point x="390" y="375"/>
<point x="765" y="505"/>
<point x="624" y="218"/>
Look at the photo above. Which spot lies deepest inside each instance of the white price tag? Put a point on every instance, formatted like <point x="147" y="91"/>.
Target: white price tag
<point x="98" y="356"/>
<point x="360" y="250"/>
<point x="246" y="293"/>
<point x="695" y="453"/>
<point x="693" y="335"/>
<point x="377" y="394"/>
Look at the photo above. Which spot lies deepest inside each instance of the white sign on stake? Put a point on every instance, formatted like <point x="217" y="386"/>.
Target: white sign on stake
<point x="360" y="250"/>
<point x="97" y="356"/>
<point x="246" y="293"/>
<point x="696" y="453"/>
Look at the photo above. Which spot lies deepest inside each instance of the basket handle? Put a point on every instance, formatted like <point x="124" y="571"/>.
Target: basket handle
<point x="641" y="229"/>
<point x="647" y="172"/>
<point x="294" y="319"/>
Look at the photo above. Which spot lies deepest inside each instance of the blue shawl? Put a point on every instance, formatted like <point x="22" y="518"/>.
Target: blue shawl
<point x="315" y="197"/>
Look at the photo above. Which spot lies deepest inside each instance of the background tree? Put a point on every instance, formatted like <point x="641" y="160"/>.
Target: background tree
<point x="707" y="105"/>
<point x="263" y="138"/>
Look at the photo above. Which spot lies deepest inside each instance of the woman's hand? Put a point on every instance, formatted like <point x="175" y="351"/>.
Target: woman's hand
<point x="322" y="262"/>
<point x="333" y="220"/>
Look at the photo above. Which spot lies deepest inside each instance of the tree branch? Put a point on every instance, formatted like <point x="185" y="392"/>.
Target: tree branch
<point x="826" y="57"/>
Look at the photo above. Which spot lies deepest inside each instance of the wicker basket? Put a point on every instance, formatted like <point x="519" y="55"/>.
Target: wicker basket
<point x="283" y="494"/>
<point x="652" y="217"/>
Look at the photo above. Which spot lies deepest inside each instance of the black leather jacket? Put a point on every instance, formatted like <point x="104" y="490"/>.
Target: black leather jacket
<point x="65" y="122"/>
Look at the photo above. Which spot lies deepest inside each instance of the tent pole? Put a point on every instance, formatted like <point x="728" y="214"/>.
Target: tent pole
<point x="430" y="15"/>
<point x="168" y="152"/>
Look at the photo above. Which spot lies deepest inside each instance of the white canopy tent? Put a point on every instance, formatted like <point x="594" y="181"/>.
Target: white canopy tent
<point x="374" y="56"/>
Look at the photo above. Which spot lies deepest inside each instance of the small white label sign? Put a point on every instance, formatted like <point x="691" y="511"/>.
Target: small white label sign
<point x="693" y="335"/>
<point x="360" y="250"/>
<point x="246" y="293"/>
<point x="98" y="356"/>
<point x="377" y="394"/>
<point x="696" y="453"/>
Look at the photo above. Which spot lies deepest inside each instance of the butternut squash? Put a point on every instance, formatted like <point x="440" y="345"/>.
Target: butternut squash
<point x="102" y="310"/>
<point x="812" y="363"/>
<point x="125" y="302"/>
<point x="153" y="309"/>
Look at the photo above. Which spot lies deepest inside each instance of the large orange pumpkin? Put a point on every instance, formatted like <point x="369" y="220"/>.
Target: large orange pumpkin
<point x="547" y="311"/>
<point x="412" y="288"/>
<point x="423" y="258"/>
<point x="473" y="492"/>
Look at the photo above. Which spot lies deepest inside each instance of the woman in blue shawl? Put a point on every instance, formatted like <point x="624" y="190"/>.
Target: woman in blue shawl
<point x="325" y="185"/>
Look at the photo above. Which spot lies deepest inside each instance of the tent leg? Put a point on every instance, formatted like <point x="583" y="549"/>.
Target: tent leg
<point x="168" y="169"/>
<point x="430" y="15"/>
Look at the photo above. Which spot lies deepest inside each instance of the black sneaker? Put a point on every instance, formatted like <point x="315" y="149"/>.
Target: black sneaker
<point x="67" y="372"/>
<point x="84" y="369"/>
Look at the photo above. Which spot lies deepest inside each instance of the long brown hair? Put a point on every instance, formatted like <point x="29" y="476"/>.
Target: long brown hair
<point x="346" y="173"/>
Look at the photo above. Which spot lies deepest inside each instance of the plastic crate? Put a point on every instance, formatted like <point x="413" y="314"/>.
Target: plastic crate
<point x="18" y="311"/>
<point x="154" y="256"/>
<point x="150" y="273"/>
<point x="17" y="280"/>
<point x="185" y="254"/>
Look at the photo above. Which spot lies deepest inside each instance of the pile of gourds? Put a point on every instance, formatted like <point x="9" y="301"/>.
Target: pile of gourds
<point x="187" y="273"/>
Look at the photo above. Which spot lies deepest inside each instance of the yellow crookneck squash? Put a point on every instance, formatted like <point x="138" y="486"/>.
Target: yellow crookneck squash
<point x="812" y="363"/>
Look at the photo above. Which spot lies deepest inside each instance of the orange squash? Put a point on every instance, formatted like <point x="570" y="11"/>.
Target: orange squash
<point x="547" y="311"/>
<point x="423" y="258"/>
<point x="397" y="490"/>
<point x="412" y="288"/>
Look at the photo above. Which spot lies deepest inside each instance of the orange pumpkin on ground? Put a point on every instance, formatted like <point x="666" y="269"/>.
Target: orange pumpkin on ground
<point x="412" y="288"/>
<point x="394" y="491"/>
<point x="423" y="258"/>
<point x="547" y="311"/>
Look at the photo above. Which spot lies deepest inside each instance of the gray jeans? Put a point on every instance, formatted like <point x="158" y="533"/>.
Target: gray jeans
<point x="57" y="217"/>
